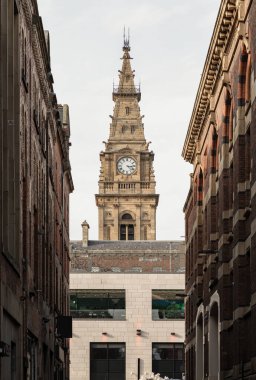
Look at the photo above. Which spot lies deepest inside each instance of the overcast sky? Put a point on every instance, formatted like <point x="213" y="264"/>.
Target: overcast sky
<point x="169" y="41"/>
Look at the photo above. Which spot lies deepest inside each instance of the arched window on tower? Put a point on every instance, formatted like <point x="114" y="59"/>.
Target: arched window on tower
<point x="126" y="230"/>
<point x="126" y="217"/>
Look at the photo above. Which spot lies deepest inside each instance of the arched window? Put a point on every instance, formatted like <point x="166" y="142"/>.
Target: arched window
<point x="126" y="229"/>
<point x="126" y="217"/>
<point x="214" y="344"/>
<point x="199" y="348"/>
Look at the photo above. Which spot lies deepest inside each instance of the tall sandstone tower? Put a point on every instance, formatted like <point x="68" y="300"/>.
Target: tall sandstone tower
<point x="127" y="200"/>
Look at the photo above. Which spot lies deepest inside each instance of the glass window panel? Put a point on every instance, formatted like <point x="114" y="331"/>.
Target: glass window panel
<point x="99" y="345"/>
<point x="99" y="376"/>
<point x="99" y="366"/>
<point x="113" y="364"/>
<point x="116" y="366"/>
<point x="116" y="376"/>
<point x="73" y="302"/>
<point x="123" y="232"/>
<point x="116" y="351"/>
<point x="178" y="365"/>
<point x="99" y="353"/>
<point x="98" y="304"/>
<point x="130" y="232"/>
<point x="156" y="366"/>
<point x="168" y="359"/>
<point x="166" y="306"/>
<point x="166" y="366"/>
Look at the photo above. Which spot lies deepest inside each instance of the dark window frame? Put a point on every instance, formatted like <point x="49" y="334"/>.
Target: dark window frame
<point x="108" y="359"/>
<point x="126" y="231"/>
<point x="171" y="361"/>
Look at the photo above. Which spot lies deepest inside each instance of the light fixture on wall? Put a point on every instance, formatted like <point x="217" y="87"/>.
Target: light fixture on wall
<point x="104" y="333"/>
<point x="173" y="333"/>
<point x="138" y="332"/>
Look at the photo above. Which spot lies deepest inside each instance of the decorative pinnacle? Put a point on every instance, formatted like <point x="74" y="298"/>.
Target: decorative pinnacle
<point x="126" y="46"/>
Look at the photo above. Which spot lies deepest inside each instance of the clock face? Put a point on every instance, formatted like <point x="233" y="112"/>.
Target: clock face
<point x="126" y="165"/>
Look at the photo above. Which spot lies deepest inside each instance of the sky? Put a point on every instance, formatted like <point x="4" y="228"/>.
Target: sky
<point x="169" y="40"/>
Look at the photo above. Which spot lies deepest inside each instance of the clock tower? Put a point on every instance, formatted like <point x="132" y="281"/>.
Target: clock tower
<point x="127" y="200"/>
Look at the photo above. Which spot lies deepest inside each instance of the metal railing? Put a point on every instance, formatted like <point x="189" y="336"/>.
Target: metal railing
<point x="126" y="90"/>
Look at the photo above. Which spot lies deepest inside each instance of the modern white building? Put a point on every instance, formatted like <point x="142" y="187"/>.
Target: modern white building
<point x="128" y="311"/>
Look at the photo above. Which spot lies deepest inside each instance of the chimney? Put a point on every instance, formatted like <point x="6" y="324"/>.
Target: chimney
<point x="85" y="229"/>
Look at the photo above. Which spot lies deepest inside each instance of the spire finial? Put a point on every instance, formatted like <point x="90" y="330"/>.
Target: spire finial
<point x="126" y="46"/>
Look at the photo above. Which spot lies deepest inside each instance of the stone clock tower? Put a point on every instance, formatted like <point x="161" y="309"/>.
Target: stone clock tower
<point x="127" y="200"/>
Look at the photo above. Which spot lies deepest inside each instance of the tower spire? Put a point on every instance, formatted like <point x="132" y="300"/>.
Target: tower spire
<point x="127" y="200"/>
<point x="126" y="46"/>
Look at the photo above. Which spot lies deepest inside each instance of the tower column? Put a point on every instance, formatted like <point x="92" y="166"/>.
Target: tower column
<point x="138" y="224"/>
<point x="153" y="222"/>
<point x="115" y="234"/>
<point x="101" y="222"/>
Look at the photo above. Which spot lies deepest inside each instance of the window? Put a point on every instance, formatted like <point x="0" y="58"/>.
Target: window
<point x="107" y="361"/>
<point x="107" y="304"/>
<point x="126" y="216"/>
<point x="127" y="110"/>
<point x="13" y="360"/>
<point x="168" y="359"/>
<point x="126" y="232"/>
<point x="166" y="306"/>
<point x="32" y="357"/>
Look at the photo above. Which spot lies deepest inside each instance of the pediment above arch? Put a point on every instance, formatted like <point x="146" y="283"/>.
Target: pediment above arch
<point x="127" y="149"/>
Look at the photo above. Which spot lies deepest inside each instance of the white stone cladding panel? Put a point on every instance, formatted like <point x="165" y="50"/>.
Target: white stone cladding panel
<point x="138" y="297"/>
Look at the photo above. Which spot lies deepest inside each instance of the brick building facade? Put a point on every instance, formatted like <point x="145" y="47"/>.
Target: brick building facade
<point x="220" y="210"/>
<point x="34" y="201"/>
